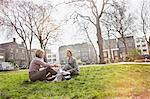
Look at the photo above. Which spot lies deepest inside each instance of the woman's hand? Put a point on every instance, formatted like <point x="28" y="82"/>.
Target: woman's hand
<point x="55" y="65"/>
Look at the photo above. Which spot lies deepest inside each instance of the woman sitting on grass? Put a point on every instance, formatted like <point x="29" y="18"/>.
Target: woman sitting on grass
<point x="37" y="63"/>
<point x="71" y="65"/>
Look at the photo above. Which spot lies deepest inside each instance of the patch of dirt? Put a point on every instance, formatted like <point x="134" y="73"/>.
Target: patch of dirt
<point x="142" y="95"/>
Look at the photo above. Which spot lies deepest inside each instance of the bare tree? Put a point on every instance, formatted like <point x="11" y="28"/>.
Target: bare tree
<point x="120" y="21"/>
<point x="108" y="31"/>
<point x="84" y="27"/>
<point x="108" y="28"/>
<point x="18" y="18"/>
<point x="145" y="19"/>
<point x="31" y="20"/>
<point x="3" y="4"/>
<point x="95" y="12"/>
<point x="45" y="28"/>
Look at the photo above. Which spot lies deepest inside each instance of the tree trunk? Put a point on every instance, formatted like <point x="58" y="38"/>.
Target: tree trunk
<point x="45" y="58"/>
<point x="109" y="48"/>
<point x="96" y="56"/>
<point x="126" y="49"/>
<point x="28" y="56"/>
<point x="30" y="53"/>
<point x="100" y="42"/>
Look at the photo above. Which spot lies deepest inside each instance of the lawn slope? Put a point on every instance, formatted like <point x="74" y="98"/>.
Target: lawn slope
<point x="95" y="82"/>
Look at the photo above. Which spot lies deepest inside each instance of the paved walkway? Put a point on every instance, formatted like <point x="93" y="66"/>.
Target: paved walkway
<point x="108" y="64"/>
<point x="115" y="64"/>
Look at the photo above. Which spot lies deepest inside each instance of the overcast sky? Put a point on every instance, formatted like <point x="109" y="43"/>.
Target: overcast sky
<point x="69" y="33"/>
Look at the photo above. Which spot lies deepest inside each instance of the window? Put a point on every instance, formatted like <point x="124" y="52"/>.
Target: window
<point x="11" y="56"/>
<point x="106" y="54"/>
<point x="49" y="56"/>
<point x="17" y="51"/>
<point x="144" y="45"/>
<point x="138" y="41"/>
<point x="11" y="50"/>
<point x="115" y="53"/>
<point x="54" y="59"/>
<point x="54" y="55"/>
<point x="143" y="40"/>
<point x="138" y="45"/>
<point x="23" y="51"/>
<point x="1" y="57"/>
<point x="144" y="50"/>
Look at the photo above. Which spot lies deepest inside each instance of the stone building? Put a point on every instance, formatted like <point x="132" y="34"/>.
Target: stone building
<point x="83" y="52"/>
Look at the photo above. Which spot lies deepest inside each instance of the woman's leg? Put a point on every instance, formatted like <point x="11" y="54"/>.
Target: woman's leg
<point x="42" y="75"/>
<point x="38" y="75"/>
<point x="66" y="67"/>
<point x="50" y="70"/>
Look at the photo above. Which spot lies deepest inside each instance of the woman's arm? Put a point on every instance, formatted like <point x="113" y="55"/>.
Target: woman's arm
<point x="44" y="64"/>
<point x="75" y="65"/>
<point x="41" y="63"/>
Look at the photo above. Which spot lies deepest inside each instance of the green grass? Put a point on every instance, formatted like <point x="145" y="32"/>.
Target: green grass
<point x="107" y="82"/>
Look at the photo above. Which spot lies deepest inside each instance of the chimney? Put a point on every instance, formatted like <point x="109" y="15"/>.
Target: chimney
<point x="14" y="39"/>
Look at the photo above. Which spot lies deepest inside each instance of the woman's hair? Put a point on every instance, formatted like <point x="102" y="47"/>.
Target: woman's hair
<point x="39" y="53"/>
<point x="68" y="50"/>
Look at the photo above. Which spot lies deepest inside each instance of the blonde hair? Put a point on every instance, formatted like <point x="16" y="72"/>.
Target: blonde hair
<point x="68" y="50"/>
<point x="39" y="53"/>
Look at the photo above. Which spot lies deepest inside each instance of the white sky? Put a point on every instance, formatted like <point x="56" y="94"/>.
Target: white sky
<point x="69" y="35"/>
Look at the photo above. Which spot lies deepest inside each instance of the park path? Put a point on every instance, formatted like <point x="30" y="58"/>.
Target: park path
<point x="148" y="63"/>
<point x="107" y="64"/>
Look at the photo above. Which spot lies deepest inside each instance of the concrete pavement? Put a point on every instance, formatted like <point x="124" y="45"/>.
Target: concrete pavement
<point x="148" y="63"/>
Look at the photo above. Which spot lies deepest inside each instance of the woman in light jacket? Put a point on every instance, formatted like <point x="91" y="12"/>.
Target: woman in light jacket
<point x="38" y="62"/>
<point x="71" y="65"/>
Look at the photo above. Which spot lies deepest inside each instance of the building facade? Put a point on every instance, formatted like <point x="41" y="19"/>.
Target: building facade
<point x="111" y="50"/>
<point x="14" y="52"/>
<point x="33" y="53"/>
<point x="82" y="52"/>
<point x="2" y="55"/>
<point x="51" y="57"/>
<point x="130" y="43"/>
<point x="142" y="46"/>
<point x="115" y="48"/>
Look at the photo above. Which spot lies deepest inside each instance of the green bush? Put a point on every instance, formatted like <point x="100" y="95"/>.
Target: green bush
<point x="132" y="55"/>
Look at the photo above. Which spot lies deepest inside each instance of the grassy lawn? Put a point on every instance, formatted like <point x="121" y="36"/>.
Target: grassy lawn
<point x="107" y="82"/>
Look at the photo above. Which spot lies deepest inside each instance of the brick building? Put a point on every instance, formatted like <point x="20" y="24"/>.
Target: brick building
<point x="14" y="52"/>
<point x="2" y="55"/>
<point x="117" y="48"/>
